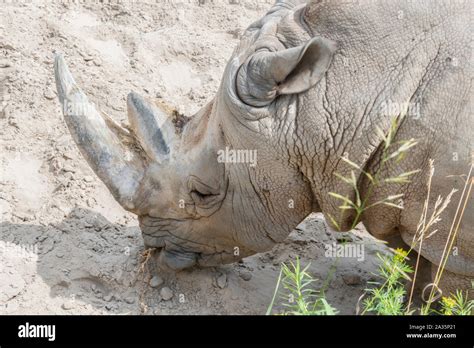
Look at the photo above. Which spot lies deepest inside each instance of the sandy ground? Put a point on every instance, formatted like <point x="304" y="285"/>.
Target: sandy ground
<point x="66" y="247"/>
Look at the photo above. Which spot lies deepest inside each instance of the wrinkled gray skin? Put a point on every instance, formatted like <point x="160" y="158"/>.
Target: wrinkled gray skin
<point x="305" y="86"/>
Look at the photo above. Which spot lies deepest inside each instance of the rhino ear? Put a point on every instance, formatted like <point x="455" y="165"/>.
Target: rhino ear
<point x="265" y="75"/>
<point x="307" y="65"/>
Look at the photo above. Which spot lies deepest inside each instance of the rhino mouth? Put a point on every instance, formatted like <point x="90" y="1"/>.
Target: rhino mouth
<point x="177" y="260"/>
<point x="178" y="252"/>
<point x="180" y="259"/>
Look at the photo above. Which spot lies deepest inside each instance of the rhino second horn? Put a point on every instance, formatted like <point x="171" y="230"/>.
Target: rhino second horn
<point x="117" y="166"/>
<point x="152" y="127"/>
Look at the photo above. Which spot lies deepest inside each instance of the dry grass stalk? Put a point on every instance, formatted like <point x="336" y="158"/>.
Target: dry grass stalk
<point x="426" y="224"/>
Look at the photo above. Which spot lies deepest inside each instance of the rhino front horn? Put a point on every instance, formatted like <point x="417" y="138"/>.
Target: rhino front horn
<point x="118" y="166"/>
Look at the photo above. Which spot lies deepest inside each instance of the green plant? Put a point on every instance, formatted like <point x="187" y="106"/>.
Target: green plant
<point x="387" y="297"/>
<point x="297" y="296"/>
<point x="456" y="304"/>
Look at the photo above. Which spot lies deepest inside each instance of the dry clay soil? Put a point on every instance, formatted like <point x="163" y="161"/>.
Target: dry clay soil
<point x="66" y="247"/>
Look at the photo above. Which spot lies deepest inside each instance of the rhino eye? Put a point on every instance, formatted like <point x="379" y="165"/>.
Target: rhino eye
<point x="201" y="193"/>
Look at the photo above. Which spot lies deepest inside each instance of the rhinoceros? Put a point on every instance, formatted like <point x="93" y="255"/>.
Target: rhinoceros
<point x="305" y="86"/>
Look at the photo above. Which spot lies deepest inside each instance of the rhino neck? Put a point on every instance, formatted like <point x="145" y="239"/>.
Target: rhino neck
<point x="378" y="61"/>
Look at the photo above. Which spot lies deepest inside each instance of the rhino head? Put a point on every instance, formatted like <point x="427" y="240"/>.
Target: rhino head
<point x="226" y="185"/>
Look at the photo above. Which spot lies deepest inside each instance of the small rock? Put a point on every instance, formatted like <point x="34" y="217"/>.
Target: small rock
<point x="245" y="275"/>
<point x="12" y="122"/>
<point x="68" y="176"/>
<point x="6" y="46"/>
<point x="156" y="281"/>
<point x="69" y="169"/>
<point x="68" y="155"/>
<point x="108" y="298"/>
<point x="13" y="77"/>
<point x="88" y="178"/>
<point x="67" y="306"/>
<point x="97" y="61"/>
<point x="130" y="300"/>
<point x="5" y="64"/>
<point x="351" y="279"/>
<point x="234" y="32"/>
<point x="12" y="307"/>
<point x="222" y="281"/>
<point x="49" y="94"/>
<point x="25" y="215"/>
<point x="166" y="293"/>
<point x="90" y="202"/>
<point x="88" y="57"/>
